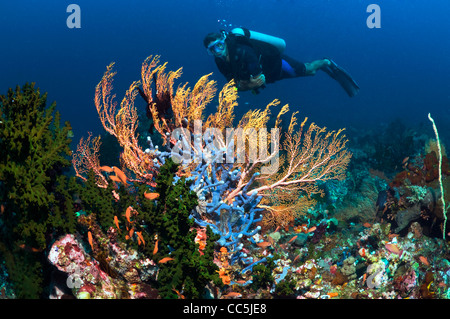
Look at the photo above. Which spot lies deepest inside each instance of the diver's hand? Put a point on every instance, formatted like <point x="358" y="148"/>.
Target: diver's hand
<point x="258" y="81"/>
<point x="253" y="83"/>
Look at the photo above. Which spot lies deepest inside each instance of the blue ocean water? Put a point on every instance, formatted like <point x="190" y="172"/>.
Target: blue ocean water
<point x="402" y="67"/>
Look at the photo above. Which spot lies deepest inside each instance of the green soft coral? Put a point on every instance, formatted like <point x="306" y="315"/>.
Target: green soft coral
<point x="189" y="272"/>
<point x="33" y="191"/>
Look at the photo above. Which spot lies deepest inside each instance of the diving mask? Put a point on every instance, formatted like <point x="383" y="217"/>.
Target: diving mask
<point x="217" y="48"/>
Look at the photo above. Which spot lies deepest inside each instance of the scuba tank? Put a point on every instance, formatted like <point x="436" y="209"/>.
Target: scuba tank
<point x="279" y="43"/>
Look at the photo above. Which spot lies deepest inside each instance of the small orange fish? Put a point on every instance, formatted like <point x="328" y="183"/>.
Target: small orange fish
<point x="164" y="260"/>
<point x="30" y="249"/>
<point x="128" y="213"/>
<point x="155" y="250"/>
<point x="333" y="294"/>
<point x="116" y="222"/>
<point x="106" y="169"/>
<point x="120" y="174"/>
<point x="233" y="295"/>
<point x="367" y="225"/>
<point x="292" y="239"/>
<point x="139" y="234"/>
<point x="151" y="196"/>
<point x="180" y="296"/>
<point x="393" y="249"/>
<point x="424" y="260"/>
<point x="2" y="209"/>
<point x="311" y="229"/>
<point x="131" y="232"/>
<point x="263" y="244"/>
<point x="90" y="240"/>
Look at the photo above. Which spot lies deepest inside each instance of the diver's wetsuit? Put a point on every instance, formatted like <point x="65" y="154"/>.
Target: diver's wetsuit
<point x="251" y="57"/>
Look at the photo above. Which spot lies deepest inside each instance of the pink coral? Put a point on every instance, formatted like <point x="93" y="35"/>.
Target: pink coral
<point x="66" y="251"/>
<point x="88" y="280"/>
<point x="69" y="256"/>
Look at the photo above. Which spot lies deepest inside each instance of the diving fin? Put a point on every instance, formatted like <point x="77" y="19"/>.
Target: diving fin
<point x="342" y="77"/>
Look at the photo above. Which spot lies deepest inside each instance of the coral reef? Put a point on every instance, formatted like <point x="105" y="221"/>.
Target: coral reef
<point x="219" y="207"/>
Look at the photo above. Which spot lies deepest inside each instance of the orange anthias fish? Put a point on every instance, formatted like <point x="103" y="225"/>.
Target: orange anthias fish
<point x="128" y="213"/>
<point x="90" y="240"/>
<point x="106" y="169"/>
<point x="121" y="175"/>
<point x="164" y="260"/>
<point x="393" y="249"/>
<point x="139" y="234"/>
<point x="424" y="260"/>
<point x="116" y="222"/>
<point x="233" y="295"/>
<point x="292" y="239"/>
<point x="264" y="244"/>
<point x="30" y="249"/>
<point x="131" y="232"/>
<point x="151" y="196"/>
<point x="180" y="296"/>
<point x="312" y="229"/>
<point x="155" y="250"/>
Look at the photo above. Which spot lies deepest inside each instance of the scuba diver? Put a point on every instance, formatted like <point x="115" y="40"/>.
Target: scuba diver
<point x="253" y="59"/>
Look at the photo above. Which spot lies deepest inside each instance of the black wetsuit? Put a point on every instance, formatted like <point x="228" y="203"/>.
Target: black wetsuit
<point x="251" y="57"/>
